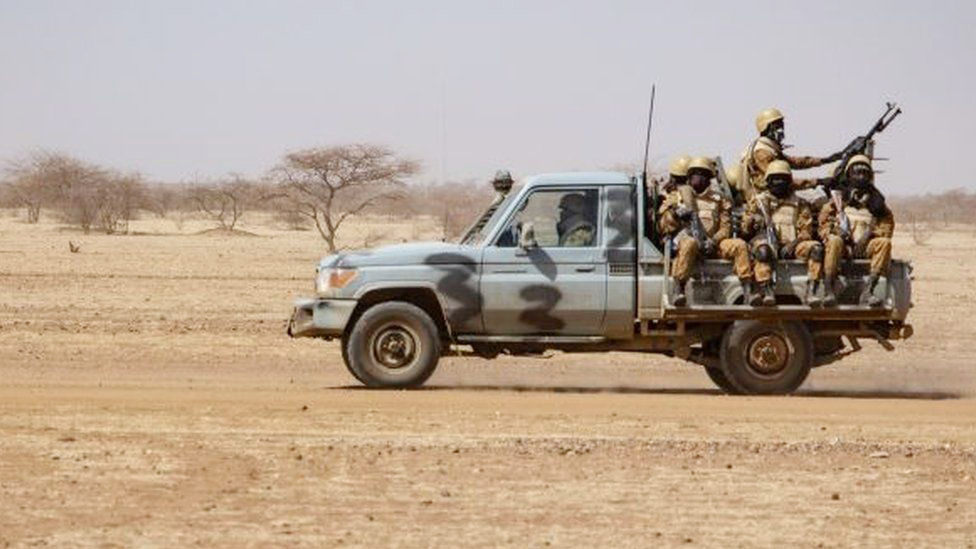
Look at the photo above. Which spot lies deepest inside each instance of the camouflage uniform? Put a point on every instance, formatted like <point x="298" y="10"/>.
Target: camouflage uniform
<point x="714" y="210"/>
<point x="576" y="232"/>
<point x="756" y="158"/>
<point x="877" y="231"/>
<point x="793" y="222"/>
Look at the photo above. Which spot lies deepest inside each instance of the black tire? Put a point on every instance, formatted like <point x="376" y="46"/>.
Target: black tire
<point x="718" y="378"/>
<point x="766" y="358"/>
<point x="344" y="346"/>
<point x="393" y="345"/>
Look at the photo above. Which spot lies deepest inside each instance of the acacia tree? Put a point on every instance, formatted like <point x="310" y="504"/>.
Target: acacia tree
<point x="328" y="185"/>
<point x="224" y="202"/>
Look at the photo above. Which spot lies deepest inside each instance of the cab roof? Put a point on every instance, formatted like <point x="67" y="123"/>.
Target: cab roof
<point x="580" y="178"/>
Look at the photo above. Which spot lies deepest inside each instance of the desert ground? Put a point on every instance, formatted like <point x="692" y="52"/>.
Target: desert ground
<point x="150" y="397"/>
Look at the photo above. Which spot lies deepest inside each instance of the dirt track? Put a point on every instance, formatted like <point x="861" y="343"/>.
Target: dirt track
<point x="149" y="397"/>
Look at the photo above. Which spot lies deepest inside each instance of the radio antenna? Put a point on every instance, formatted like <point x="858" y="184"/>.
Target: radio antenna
<point x="647" y="141"/>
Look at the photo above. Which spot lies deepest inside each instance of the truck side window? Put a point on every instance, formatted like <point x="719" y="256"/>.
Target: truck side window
<point x="561" y="218"/>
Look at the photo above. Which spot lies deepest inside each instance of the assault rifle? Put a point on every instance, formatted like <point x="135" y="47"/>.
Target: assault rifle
<point x="694" y="223"/>
<point x="771" y="239"/>
<point x="726" y="189"/>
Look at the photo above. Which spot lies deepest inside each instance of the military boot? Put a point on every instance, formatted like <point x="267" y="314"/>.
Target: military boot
<point x="768" y="295"/>
<point x="867" y="296"/>
<point x="828" y="297"/>
<point x="679" y="299"/>
<point x="749" y="297"/>
<point x="813" y="297"/>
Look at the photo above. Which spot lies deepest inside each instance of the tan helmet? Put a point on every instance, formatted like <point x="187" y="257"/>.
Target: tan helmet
<point x="679" y="166"/>
<point x="732" y="173"/>
<point x="858" y="159"/>
<point x="776" y="167"/>
<point x="702" y="163"/>
<point x="767" y="117"/>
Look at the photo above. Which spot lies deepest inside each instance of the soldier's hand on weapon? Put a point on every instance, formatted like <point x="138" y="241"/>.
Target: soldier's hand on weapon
<point x="709" y="247"/>
<point x="829" y="183"/>
<point x="683" y="212"/>
<point x="786" y="250"/>
<point x="833" y="157"/>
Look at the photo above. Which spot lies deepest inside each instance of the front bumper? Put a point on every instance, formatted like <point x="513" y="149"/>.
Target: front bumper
<point x="314" y="317"/>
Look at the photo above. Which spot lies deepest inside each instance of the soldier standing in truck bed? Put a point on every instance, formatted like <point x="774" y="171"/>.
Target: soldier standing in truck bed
<point x="769" y="147"/>
<point x="776" y="206"/>
<point x="870" y="225"/>
<point x="714" y="211"/>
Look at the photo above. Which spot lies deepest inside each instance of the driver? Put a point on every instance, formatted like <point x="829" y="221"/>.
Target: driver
<point x="575" y="227"/>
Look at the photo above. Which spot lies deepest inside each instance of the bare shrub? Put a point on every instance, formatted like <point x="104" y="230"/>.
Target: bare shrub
<point x="120" y="197"/>
<point x="224" y="202"/>
<point x="328" y="185"/>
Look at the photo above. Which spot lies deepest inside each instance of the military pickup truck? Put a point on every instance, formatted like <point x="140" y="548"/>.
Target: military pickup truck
<point x="567" y="263"/>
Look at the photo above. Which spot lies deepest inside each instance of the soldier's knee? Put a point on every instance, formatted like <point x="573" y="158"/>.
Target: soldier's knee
<point x="763" y="253"/>
<point x="834" y="242"/>
<point x="817" y="252"/>
<point x="737" y="245"/>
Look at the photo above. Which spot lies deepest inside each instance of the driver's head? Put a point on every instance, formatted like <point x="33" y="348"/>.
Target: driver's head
<point x="859" y="172"/>
<point x="769" y="123"/>
<point x="700" y="173"/>
<point x="779" y="178"/>
<point x="571" y="204"/>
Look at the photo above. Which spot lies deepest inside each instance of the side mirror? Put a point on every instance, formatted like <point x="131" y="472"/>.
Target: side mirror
<point x="527" y="236"/>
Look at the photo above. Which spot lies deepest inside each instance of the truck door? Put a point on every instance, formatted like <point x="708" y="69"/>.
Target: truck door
<point x="558" y="286"/>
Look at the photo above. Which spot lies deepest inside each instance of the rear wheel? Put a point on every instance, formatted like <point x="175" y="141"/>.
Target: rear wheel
<point x="393" y="344"/>
<point x="766" y="357"/>
<point x="718" y="378"/>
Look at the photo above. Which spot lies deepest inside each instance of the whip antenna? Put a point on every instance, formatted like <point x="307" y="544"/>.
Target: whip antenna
<point x="647" y="141"/>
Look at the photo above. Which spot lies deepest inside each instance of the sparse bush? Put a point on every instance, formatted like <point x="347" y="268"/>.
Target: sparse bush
<point x="224" y="202"/>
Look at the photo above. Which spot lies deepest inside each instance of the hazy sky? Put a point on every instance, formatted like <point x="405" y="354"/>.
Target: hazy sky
<point x="188" y="89"/>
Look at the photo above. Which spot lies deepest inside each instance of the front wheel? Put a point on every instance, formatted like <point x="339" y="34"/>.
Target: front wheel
<point x="766" y="358"/>
<point x="393" y="345"/>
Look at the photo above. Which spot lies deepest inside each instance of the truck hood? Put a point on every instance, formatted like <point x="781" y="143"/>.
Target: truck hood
<point x="413" y="253"/>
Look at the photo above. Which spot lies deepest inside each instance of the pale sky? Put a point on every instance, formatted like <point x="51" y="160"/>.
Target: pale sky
<point x="194" y="89"/>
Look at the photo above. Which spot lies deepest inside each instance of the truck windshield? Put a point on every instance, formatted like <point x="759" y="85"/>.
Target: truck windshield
<point x="488" y="220"/>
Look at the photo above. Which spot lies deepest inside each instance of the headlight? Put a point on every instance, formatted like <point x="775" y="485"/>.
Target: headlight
<point x="333" y="279"/>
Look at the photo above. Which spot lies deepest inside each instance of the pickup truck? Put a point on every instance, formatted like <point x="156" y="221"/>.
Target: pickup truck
<point x="514" y="284"/>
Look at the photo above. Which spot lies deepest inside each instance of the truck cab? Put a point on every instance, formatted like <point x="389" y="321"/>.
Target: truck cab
<point x="567" y="262"/>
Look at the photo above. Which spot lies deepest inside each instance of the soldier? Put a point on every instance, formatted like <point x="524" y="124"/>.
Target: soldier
<point x="791" y="222"/>
<point x="677" y="172"/>
<point x="769" y="147"/>
<point x="714" y="212"/>
<point x="871" y="225"/>
<point x="576" y="227"/>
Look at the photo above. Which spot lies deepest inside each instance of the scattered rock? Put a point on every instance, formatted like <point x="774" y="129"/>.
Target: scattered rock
<point x="880" y="455"/>
<point x="835" y="496"/>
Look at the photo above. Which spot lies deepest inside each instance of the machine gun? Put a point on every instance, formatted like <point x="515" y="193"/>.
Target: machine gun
<point x="864" y="144"/>
<point x="771" y="239"/>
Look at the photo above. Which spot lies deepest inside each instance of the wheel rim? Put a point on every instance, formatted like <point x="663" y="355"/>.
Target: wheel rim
<point x="394" y="346"/>
<point x="769" y="354"/>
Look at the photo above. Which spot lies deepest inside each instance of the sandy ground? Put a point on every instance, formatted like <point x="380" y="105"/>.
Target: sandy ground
<point x="149" y="397"/>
